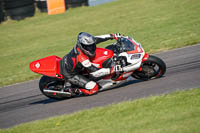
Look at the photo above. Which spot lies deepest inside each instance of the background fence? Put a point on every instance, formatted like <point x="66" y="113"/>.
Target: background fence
<point x="20" y="9"/>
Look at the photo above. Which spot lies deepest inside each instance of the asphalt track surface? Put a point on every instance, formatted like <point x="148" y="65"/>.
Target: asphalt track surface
<point x="23" y="102"/>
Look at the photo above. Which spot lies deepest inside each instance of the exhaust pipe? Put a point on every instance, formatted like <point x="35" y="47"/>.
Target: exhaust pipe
<point x="57" y="94"/>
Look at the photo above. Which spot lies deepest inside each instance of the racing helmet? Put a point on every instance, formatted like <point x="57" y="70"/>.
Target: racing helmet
<point x="87" y="44"/>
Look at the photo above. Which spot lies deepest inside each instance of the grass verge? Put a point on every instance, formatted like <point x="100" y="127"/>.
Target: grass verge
<point x="175" y="113"/>
<point x="158" y="25"/>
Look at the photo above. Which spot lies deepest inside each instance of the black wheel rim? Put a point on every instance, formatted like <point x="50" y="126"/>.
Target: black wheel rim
<point x="149" y="70"/>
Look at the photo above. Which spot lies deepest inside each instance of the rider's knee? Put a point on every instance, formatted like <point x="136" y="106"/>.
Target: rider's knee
<point x="90" y="88"/>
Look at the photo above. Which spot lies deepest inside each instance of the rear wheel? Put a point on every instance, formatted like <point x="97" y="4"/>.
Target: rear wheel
<point x="42" y="5"/>
<point x="152" y="68"/>
<point x="21" y="12"/>
<point x="2" y="15"/>
<point x="52" y="88"/>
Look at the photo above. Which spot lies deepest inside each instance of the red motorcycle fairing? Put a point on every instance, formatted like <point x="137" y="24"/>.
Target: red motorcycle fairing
<point x="48" y="66"/>
<point x="146" y="56"/>
<point x="102" y="55"/>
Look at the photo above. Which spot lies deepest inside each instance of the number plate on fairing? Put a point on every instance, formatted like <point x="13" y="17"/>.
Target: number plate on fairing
<point x="135" y="56"/>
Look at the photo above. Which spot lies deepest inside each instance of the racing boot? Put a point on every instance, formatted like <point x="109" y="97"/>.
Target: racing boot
<point x="69" y="88"/>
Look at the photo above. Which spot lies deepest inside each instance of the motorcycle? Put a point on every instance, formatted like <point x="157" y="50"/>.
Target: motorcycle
<point x="125" y="52"/>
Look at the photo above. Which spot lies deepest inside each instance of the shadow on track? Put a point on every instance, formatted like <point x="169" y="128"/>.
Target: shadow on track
<point x="45" y="101"/>
<point x="133" y="81"/>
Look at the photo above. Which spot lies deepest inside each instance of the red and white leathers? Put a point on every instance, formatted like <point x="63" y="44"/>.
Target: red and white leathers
<point x="76" y="62"/>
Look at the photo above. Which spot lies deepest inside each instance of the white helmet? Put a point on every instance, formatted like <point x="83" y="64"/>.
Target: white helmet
<point x="87" y="44"/>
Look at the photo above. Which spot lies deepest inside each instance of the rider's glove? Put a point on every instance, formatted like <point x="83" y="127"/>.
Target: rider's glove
<point x="116" y="36"/>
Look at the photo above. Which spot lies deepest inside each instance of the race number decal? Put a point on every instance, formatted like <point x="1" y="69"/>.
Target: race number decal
<point x="135" y="56"/>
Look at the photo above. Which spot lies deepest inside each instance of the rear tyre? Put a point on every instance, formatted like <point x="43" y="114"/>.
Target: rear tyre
<point x="42" y="5"/>
<point x="2" y="16"/>
<point x="50" y="83"/>
<point x="152" y="68"/>
<point x="10" y="4"/>
<point x="21" y="12"/>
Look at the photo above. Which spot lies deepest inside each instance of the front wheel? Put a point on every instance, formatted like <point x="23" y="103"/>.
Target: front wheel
<point x="153" y="67"/>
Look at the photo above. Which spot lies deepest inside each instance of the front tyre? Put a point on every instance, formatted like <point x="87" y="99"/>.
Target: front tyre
<point x="153" y="67"/>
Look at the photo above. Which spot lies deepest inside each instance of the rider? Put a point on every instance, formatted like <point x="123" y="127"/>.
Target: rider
<point x="79" y="59"/>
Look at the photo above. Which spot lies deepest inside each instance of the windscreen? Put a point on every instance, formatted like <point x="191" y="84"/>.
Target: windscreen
<point x="127" y="45"/>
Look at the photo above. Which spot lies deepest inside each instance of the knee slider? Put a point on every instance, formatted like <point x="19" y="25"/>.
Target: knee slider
<point x="90" y="85"/>
<point x="90" y="88"/>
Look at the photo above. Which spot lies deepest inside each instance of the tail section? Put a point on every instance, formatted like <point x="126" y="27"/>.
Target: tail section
<point x="48" y="66"/>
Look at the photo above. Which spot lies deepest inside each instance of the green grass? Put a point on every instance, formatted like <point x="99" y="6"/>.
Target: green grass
<point x="172" y="113"/>
<point x="158" y="25"/>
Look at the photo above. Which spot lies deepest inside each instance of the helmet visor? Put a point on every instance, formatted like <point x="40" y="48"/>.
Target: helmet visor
<point x="90" y="48"/>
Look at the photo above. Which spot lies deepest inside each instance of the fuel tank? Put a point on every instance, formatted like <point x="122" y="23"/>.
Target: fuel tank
<point x="102" y="58"/>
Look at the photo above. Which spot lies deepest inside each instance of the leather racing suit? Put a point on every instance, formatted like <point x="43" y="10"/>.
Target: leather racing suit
<point x="76" y="61"/>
